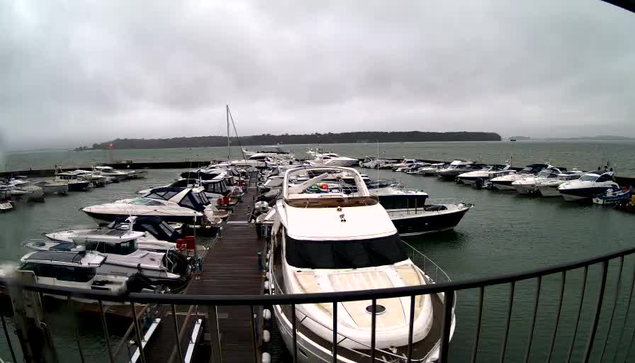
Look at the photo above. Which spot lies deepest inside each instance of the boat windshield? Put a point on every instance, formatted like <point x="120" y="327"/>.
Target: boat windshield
<point x="589" y="177"/>
<point x="123" y="248"/>
<point x="545" y="173"/>
<point x="145" y="201"/>
<point x="345" y="254"/>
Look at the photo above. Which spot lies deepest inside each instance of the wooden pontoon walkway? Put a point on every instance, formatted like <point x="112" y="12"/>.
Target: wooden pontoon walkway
<point x="229" y="268"/>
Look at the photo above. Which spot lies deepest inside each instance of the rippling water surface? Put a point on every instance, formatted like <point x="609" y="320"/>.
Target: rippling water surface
<point x="581" y="154"/>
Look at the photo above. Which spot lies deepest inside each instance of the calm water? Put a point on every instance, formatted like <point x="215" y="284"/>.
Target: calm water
<point x="504" y="233"/>
<point x="583" y="155"/>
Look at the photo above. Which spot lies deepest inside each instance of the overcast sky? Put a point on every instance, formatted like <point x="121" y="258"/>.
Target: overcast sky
<point x="77" y="72"/>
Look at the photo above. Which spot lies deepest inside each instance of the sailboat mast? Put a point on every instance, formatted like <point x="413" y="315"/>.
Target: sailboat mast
<point x="228" y="140"/>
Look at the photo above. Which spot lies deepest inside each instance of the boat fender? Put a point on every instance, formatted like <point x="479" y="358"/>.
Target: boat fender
<point x="266" y="285"/>
<point x="268" y="275"/>
<point x="266" y="336"/>
<point x="266" y="314"/>
<point x="266" y="357"/>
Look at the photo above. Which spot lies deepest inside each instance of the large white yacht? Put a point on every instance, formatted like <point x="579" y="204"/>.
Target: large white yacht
<point x="588" y="186"/>
<point x="181" y="205"/>
<point x="504" y="182"/>
<point x="332" y="159"/>
<point x="325" y="239"/>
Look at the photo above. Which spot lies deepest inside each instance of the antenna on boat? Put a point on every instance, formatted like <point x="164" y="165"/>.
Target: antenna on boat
<point x="229" y="152"/>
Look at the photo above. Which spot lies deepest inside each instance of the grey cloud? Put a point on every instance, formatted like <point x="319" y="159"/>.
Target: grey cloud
<point x="80" y="72"/>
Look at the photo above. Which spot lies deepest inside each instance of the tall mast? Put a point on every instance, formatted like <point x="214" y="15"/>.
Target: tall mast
<point x="228" y="140"/>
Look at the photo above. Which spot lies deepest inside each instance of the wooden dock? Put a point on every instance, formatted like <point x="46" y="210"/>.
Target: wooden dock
<point x="229" y="268"/>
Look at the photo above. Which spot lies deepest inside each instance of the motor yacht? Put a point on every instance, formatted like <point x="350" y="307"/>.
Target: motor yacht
<point x="431" y="170"/>
<point x="96" y="180"/>
<point x="59" y="187"/>
<point x="504" y="182"/>
<point x="76" y="182"/>
<point x="25" y="190"/>
<point x="458" y="167"/>
<point x="325" y="239"/>
<point x="124" y="257"/>
<point x="413" y="214"/>
<point x="275" y="152"/>
<point x="403" y="163"/>
<point x="588" y="186"/>
<point x="181" y="205"/>
<point x="109" y="171"/>
<point x="78" y="269"/>
<point x="332" y="159"/>
<point x="527" y="185"/>
<point x="483" y="175"/>
<point x="549" y="187"/>
<point x="373" y="163"/>
<point x="151" y="229"/>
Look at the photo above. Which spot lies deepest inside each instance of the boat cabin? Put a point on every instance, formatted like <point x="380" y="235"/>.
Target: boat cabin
<point x="53" y="266"/>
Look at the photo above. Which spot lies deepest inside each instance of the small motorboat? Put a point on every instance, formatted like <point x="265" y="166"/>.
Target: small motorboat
<point x="458" y="167"/>
<point x="109" y="171"/>
<point x="480" y="177"/>
<point x="613" y="196"/>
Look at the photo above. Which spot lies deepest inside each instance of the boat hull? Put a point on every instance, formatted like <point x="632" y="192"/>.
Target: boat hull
<point x="168" y="218"/>
<point x="548" y="190"/>
<point x="79" y="186"/>
<point x="503" y="185"/>
<point x="55" y="189"/>
<point x="426" y="222"/>
<point x="583" y="194"/>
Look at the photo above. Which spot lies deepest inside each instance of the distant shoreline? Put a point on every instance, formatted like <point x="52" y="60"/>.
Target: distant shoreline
<point x="286" y="139"/>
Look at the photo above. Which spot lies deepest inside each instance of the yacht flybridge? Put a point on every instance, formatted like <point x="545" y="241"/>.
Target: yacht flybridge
<point x="330" y="238"/>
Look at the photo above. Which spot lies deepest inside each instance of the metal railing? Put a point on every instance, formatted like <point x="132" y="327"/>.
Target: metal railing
<point x="616" y="326"/>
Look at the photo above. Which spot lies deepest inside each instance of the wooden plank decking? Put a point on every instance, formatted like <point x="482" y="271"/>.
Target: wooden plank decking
<point x="231" y="268"/>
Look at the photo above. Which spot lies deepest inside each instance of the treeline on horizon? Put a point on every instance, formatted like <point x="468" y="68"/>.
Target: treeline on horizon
<point x="287" y="139"/>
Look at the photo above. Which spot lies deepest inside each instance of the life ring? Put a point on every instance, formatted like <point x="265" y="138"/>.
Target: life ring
<point x="180" y="244"/>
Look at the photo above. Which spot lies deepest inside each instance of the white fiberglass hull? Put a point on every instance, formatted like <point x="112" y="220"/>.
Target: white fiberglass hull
<point x="548" y="190"/>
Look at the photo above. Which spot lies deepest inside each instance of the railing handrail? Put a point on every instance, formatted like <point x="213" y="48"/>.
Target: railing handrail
<point x="255" y="300"/>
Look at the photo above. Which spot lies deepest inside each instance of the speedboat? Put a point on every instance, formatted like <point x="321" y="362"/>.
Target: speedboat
<point x="96" y="180"/>
<point x="483" y="175"/>
<point x="458" y="167"/>
<point x="325" y="240"/>
<point x="77" y="269"/>
<point x="527" y="185"/>
<point x="181" y="205"/>
<point x="373" y="163"/>
<point x="6" y="204"/>
<point x="430" y="170"/>
<point x="76" y="182"/>
<point x="275" y="152"/>
<point x="504" y="182"/>
<point x="413" y="215"/>
<point x="588" y="186"/>
<point x="549" y="187"/>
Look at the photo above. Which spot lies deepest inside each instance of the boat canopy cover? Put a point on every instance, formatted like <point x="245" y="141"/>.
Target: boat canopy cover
<point x="371" y="252"/>
<point x="156" y="226"/>
<point x="163" y="193"/>
<point x="60" y="256"/>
